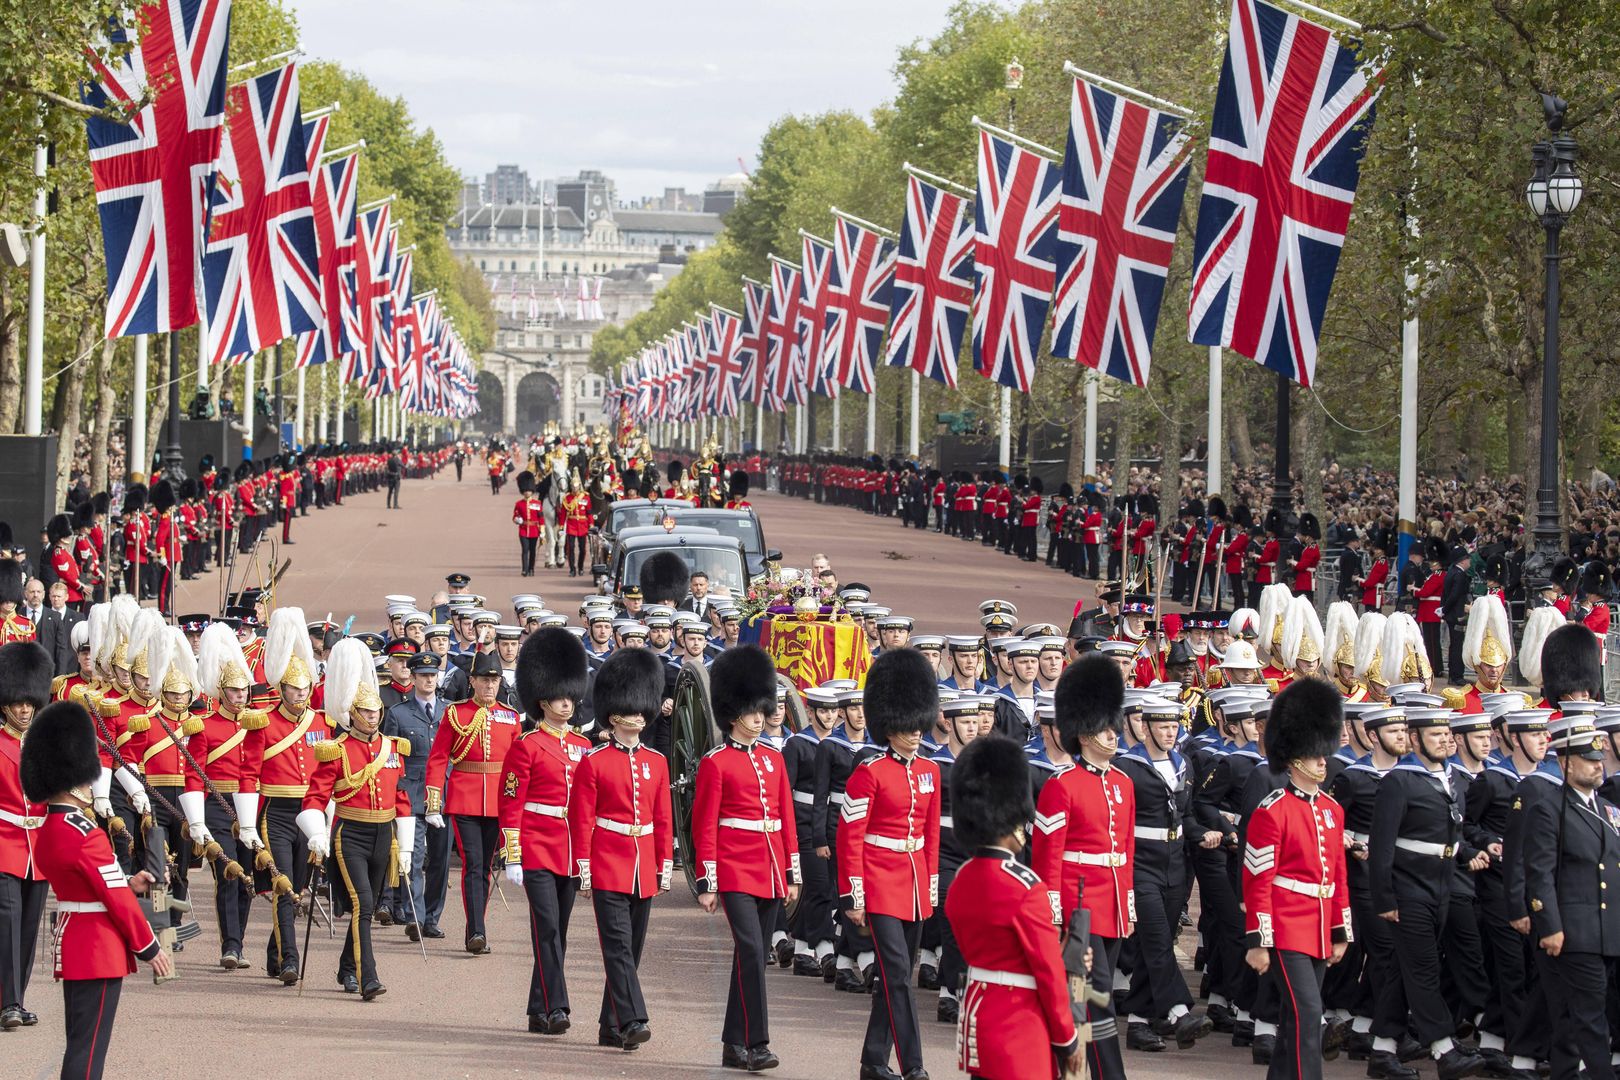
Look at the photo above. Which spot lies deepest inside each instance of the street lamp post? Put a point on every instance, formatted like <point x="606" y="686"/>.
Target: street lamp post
<point x="1553" y="192"/>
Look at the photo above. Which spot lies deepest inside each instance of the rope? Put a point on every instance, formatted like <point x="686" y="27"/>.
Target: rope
<point x="1359" y="431"/>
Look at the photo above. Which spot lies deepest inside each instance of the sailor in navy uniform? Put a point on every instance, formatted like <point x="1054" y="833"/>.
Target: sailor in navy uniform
<point x="939" y="948"/>
<point x="837" y="755"/>
<point x="813" y="919"/>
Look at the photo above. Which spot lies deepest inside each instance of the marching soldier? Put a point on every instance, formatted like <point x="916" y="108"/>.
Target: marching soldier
<point x="374" y="834"/>
<point x="529" y="515"/>
<point x="837" y="756"/>
<point x="1016" y="1022"/>
<point x="1487" y="648"/>
<point x="813" y="918"/>
<point x="619" y="826"/>
<point x="1084" y="842"/>
<point x="25" y="679"/>
<point x="539" y="775"/>
<point x="745" y="841"/>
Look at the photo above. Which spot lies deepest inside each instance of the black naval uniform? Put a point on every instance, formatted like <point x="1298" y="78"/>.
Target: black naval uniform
<point x="952" y="970"/>
<point x="1216" y="808"/>
<point x="1163" y="819"/>
<point x="1464" y="978"/>
<point x="812" y="922"/>
<point x="1485" y="821"/>
<point x="1380" y="995"/>
<point x="836" y="759"/>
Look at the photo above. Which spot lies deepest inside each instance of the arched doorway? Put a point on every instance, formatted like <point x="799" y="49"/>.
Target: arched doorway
<point x="539" y="401"/>
<point x="491" y="401"/>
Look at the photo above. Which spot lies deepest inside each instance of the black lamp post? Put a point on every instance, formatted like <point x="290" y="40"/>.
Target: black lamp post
<point x="1554" y="191"/>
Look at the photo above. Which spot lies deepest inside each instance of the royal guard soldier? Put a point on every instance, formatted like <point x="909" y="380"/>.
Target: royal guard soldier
<point x="14" y="627"/>
<point x="167" y="544"/>
<point x="136" y="540"/>
<point x="101" y="929"/>
<point x="1339" y="651"/>
<point x="577" y="512"/>
<point x="279" y="753"/>
<point x="247" y="508"/>
<point x="1015" y="1022"/>
<point x="1296" y="905"/>
<point x="1592" y="606"/>
<point x="286" y="482"/>
<point x="469" y="747"/>
<point x="739" y="491"/>
<point x="59" y="533"/>
<point x="64" y="687"/>
<point x="1487" y="648"/>
<point x="229" y="792"/>
<point x="86" y="551"/>
<point x="25" y="681"/>
<point x="1372" y="584"/>
<point x="222" y="505"/>
<point x="537" y="787"/>
<point x="529" y="515"/>
<point x="373" y="833"/>
<point x="620" y="827"/>
<point x="888" y="864"/>
<point x="172" y="678"/>
<point x="1084" y="842"/>
<point x="745" y="842"/>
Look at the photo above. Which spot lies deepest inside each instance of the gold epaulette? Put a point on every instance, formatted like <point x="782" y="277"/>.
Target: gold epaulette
<point x="1271" y="684"/>
<point x="57" y="684"/>
<point x="328" y="750"/>
<point x="1455" y="697"/>
<point x="139" y="725"/>
<point x="253" y="719"/>
<point x="193" y="725"/>
<point x="402" y="745"/>
<point x="107" y="708"/>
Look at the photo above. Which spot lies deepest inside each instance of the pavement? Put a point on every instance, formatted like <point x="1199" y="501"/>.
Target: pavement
<point x="456" y="1015"/>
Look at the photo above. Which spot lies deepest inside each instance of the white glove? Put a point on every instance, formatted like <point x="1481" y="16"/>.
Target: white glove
<point x="514" y="873"/>
<point x="139" y="803"/>
<point x="102" y="806"/>
<point x="192" y="804"/>
<point x="200" y="834"/>
<point x="435" y="821"/>
<point x="320" y="844"/>
<point x="249" y="838"/>
<point x="247" y="817"/>
<point x="404" y="862"/>
<point x="405" y="837"/>
<point x="312" y="823"/>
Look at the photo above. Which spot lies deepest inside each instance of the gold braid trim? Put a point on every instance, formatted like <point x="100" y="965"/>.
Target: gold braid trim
<point x="468" y="735"/>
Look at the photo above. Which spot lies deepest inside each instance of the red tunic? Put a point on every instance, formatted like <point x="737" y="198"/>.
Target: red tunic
<point x="1236" y="551"/>
<point x="1372" y="586"/>
<point x="77" y="859"/>
<point x="67" y="572"/>
<point x="1305" y="568"/>
<point x="536" y="792"/>
<point x="529" y="514"/>
<point x="888" y="837"/>
<point x="743" y="828"/>
<point x="221" y="748"/>
<point x="20" y="820"/>
<point x="362" y="778"/>
<point x="1084" y="846"/>
<point x="470" y="745"/>
<point x="1428" y="598"/>
<point x="1295" y="893"/>
<point x="621" y="825"/>
<point x="1003" y="925"/>
<point x="281" y="755"/>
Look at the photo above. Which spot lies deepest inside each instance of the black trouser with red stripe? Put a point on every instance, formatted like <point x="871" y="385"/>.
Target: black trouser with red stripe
<point x="22" y="904"/>
<point x="752" y="919"/>
<point x="89" y="1008"/>
<point x="621" y="927"/>
<point x="286" y="523"/>
<point x="477" y="839"/>
<point x="551" y="901"/>
<point x="1298" y="1053"/>
<point x="892" y="1024"/>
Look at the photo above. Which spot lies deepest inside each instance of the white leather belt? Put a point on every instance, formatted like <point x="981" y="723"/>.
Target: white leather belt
<point x="546" y="809"/>
<point x="764" y="825"/>
<point x="1358" y="837"/>
<point x="1321" y="891"/>
<point x="70" y="906"/>
<point x="1147" y="832"/>
<point x="889" y="843"/>
<point x="1001" y="978"/>
<point x="1095" y="858"/>
<point x="806" y="797"/>
<point x="22" y="821"/>
<point x="623" y="828"/>
<point x="1426" y="847"/>
<point x="836" y="798"/>
<point x="945" y="822"/>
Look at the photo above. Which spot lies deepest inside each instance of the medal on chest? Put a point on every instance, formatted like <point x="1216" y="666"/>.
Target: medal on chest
<point x="925" y="782"/>
<point x="646" y="771"/>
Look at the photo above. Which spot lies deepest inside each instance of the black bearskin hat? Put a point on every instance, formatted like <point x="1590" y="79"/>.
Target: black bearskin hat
<point x="902" y="694"/>
<point x="1066" y="490"/>
<point x="1275" y="521"/>
<point x="739" y="484"/>
<point x="676" y="471"/>
<point x="84" y="515"/>
<point x="59" y="528"/>
<point x="1036" y="485"/>
<point x="1565" y="573"/>
<point x="1217" y="507"/>
<point x="189" y="489"/>
<point x="550" y="665"/>
<point x="1308" y="526"/>
<point x="525" y="481"/>
<point x="990" y="791"/>
<point x="134" y="498"/>
<point x="103" y="502"/>
<point x="11" y="582"/>
<point x="1306" y="722"/>
<point x="1569" y="663"/>
<point x="1595" y="578"/>
<point x="742" y="680"/>
<point x="631" y="480"/>
<point x="162" y="496"/>
<point x="25" y="674"/>
<point x="629" y="683"/>
<point x="1090" y="699"/>
<point x="60" y="751"/>
<point x="663" y="578"/>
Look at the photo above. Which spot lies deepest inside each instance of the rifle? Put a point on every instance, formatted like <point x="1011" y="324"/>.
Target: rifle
<point x="1083" y="997"/>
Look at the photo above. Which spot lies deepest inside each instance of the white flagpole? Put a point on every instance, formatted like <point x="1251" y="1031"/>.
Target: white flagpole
<point x="337" y="434"/>
<point x="135" y="460"/>
<point x="1006" y="427"/>
<point x="871" y="417"/>
<point x="1216" y="437"/>
<point x="298" y="419"/>
<point x="759" y="427"/>
<point x="34" y="377"/>
<point x="247" y="399"/>
<point x="838" y="425"/>
<point x="322" y="424"/>
<point x="915" y="443"/>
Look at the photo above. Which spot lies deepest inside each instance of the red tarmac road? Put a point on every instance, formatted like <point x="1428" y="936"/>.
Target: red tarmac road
<point x="461" y="1016"/>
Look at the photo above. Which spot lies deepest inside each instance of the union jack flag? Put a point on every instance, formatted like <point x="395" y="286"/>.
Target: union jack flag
<point x="335" y="185"/>
<point x="781" y="336"/>
<point x="751" y="350"/>
<point x="1014" y="247"/>
<point x="373" y="285"/>
<point x="261" y="276"/>
<point x="154" y="175"/>
<point x="724" y="364"/>
<point x="811" y="358"/>
<point x="863" y="279"/>
<point x="1292" y="112"/>
<point x="933" y="283"/>
<point x="1124" y="178"/>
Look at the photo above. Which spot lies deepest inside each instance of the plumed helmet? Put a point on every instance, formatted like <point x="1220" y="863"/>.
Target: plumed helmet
<point x="1488" y="639"/>
<point x="1369" y="656"/>
<point x="1306" y="722"/>
<point x="739" y="484"/>
<point x="220" y="661"/>
<point x="288" y="656"/>
<point x="629" y="683"/>
<point x="1340" y="645"/>
<point x="60" y="751"/>
<point x="25" y="675"/>
<point x="663" y="578"/>
<point x="1538" y="626"/>
<point x="1569" y="663"/>
<point x="550" y="665"/>
<point x="742" y="680"/>
<point x="990" y="791"/>
<point x="902" y="694"/>
<point x="1090" y="699"/>
<point x="1302" y="634"/>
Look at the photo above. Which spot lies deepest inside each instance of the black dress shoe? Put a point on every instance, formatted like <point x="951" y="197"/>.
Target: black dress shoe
<point x="634" y="1034"/>
<point x="1260" y="1050"/>
<point x="538" y="1025"/>
<point x="733" y="1056"/>
<point x="849" y="982"/>
<point x="806" y="965"/>
<point x="927" y="977"/>
<point x="1383" y="1065"/>
<point x="477" y="944"/>
<point x="230" y="961"/>
<point x="350" y="984"/>
<point x="919" y="1073"/>
<point x="1243" y="1033"/>
<point x="373" y="991"/>
<point x="829" y="967"/>
<point x="784" y="952"/>
<point x="1457" y="1063"/>
<point x="761" y="1058"/>
<point x="878" y="1072"/>
<point x="11" y="1018"/>
<point x="949" y="1011"/>
<point x="557" y="1022"/>
<point x="1222" y="1017"/>
<point x="432" y="932"/>
<point x="413" y="931"/>
<point x="609" y="1037"/>
<point x="1409" y="1049"/>
<point x="1187" y="1029"/>
<point x="29" y="1019"/>
<point x="1140" y="1036"/>
<point x="289" y="974"/>
<point x="385" y="917"/>
<point x="1358" y="1044"/>
<point x="1334" y="1034"/>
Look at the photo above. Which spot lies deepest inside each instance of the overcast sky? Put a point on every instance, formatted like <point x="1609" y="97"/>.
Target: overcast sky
<point x="653" y="94"/>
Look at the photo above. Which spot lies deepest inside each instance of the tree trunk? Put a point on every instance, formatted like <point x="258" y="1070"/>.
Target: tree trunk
<point x="1516" y="425"/>
<point x="157" y="404"/>
<point x="106" y="402"/>
<point x="1170" y="450"/>
<point x="1235" y="402"/>
<point x="1313" y="455"/>
<point x="1124" y="432"/>
<point x="70" y="403"/>
<point x="10" y="356"/>
<point x="1077" y="429"/>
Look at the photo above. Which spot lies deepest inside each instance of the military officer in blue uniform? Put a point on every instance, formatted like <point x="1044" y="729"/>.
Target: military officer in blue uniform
<point x="419" y="899"/>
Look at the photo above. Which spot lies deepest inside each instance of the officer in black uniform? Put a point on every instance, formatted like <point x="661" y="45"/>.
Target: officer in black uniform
<point x="961" y="718"/>
<point x="837" y="755"/>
